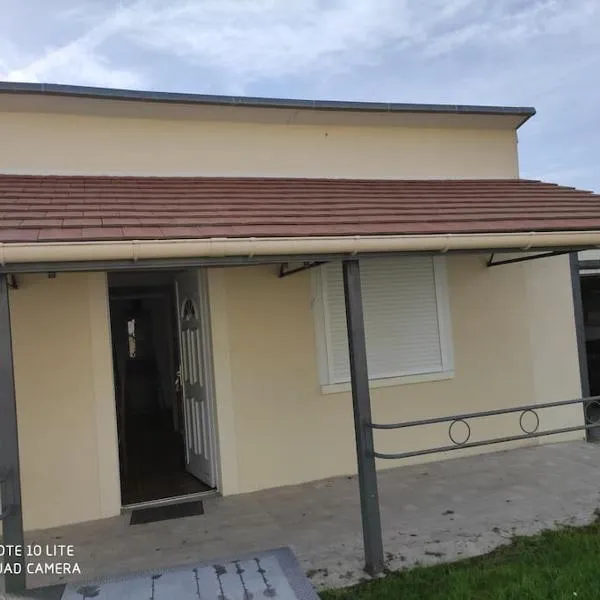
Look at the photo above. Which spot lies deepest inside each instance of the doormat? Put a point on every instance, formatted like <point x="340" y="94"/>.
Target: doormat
<point x="166" y="512"/>
<point x="270" y="574"/>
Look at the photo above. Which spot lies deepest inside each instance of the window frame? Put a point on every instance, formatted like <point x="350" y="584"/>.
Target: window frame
<point x="323" y="334"/>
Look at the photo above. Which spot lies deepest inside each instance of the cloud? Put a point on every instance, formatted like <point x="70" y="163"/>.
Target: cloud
<point x="265" y="38"/>
<point x="77" y="67"/>
<point x="516" y="24"/>
<point x="81" y="60"/>
<point x="529" y="52"/>
<point x="8" y="54"/>
<point x="247" y="39"/>
<point x="240" y="42"/>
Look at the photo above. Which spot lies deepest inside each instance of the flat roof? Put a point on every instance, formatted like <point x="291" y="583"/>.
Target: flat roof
<point x="511" y="116"/>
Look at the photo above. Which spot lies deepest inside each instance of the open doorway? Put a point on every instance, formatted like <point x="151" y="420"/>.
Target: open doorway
<point x="156" y="387"/>
<point x="590" y="299"/>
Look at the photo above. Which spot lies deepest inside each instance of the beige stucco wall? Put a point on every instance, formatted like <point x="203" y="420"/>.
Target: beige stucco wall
<point x="55" y="143"/>
<point x="552" y="336"/>
<point x="65" y="399"/>
<point x="514" y="343"/>
<point x="274" y="425"/>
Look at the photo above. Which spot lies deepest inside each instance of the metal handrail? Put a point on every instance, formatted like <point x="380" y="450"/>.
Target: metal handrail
<point x="461" y="418"/>
<point x="487" y="413"/>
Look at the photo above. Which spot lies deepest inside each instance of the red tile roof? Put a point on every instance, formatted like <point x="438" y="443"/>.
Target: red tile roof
<point x="80" y="208"/>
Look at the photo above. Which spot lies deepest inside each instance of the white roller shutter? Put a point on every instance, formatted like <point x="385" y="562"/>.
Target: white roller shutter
<point x="403" y="313"/>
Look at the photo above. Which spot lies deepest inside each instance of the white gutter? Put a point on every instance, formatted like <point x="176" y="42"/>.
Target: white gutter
<point x="49" y="252"/>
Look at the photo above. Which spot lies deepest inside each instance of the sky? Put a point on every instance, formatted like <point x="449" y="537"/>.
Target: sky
<point x="541" y="53"/>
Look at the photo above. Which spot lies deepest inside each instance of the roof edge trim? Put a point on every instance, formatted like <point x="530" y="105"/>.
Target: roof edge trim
<point x="54" y="89"/>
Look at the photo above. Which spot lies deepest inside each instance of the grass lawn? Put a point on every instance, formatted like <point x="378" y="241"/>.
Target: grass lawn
<point x="553" y="565"/>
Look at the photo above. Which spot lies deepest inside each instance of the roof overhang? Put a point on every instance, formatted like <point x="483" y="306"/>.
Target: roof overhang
<point x="66" y="99"/>
<point x="83" y="223"/>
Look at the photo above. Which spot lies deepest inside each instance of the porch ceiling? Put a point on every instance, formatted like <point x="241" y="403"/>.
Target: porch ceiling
<point x="88" y="209"/>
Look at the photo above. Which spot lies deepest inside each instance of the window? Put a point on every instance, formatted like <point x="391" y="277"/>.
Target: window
<point x="407" y="318"/>
<point x="188" y="311"/>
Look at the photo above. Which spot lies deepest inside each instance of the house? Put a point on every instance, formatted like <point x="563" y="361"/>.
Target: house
<point x="173" y="308"/>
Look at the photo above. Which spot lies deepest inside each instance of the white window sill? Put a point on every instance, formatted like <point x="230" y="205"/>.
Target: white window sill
<point x="336" y="388"/>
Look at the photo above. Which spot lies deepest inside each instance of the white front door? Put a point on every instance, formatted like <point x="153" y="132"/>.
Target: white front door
<point x="193" y="345"/>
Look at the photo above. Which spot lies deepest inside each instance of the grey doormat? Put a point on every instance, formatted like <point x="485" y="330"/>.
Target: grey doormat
<point x="163" y="513"/>
<point x="270" y="574"/>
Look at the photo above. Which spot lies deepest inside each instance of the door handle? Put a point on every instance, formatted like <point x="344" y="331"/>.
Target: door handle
<point x="4" y="477"/>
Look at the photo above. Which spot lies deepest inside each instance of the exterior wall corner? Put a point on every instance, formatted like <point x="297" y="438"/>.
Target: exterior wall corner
<point x="223" y="386"/>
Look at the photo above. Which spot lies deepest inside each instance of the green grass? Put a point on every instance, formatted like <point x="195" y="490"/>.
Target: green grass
<point x="554" y="565"/>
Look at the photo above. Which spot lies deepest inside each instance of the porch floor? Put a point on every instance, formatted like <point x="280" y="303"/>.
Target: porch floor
<point x="435" y="512"/>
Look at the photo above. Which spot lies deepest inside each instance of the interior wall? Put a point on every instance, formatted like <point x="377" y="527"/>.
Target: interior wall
<point x="513" y="344"/>
<point x="65" y="399"/>
<point x="156" y="313"/>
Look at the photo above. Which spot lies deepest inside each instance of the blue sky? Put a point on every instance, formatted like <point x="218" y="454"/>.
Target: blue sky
<point x="544" y="53"/>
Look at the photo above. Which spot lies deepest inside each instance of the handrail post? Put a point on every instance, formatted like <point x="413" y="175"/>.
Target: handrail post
<point x="12" y="520"/>
<point x="580" y="334"/>
<point x="361" y="402"/>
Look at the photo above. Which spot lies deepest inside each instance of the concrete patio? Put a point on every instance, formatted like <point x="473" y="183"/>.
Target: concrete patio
<point x="435" y="512"/>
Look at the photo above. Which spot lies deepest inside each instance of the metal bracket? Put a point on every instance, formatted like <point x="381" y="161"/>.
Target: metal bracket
<point x="492" y="263"/>
<point x="284" y="269"/>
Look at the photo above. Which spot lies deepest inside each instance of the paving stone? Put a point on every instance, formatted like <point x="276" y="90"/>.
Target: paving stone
<point x="491" y="496"/>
